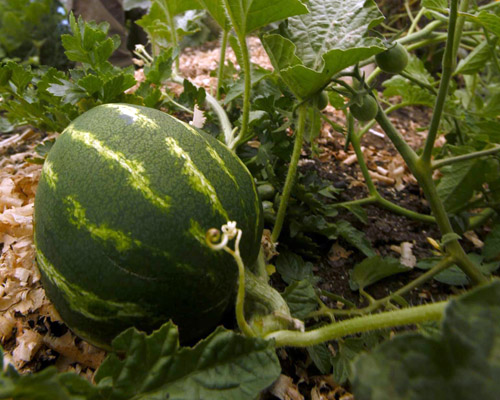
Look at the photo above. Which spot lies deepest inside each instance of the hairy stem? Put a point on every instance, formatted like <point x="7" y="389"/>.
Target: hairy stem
<point x="476" y="154"/>
<point x="292" y="171"/>
<point x="448" y="67"/>
<point x="222" y="60"/>
<point x="428" y="312"/>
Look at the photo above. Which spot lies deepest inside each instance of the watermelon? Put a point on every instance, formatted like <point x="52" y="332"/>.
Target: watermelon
<point x="125" y="198"/>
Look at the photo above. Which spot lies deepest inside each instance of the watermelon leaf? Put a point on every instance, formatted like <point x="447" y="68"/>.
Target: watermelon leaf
<point x="248" y="16"/>
<point x="462" y="363"/>
<point x="225" y="365"/>
<point x="318" y="45"/>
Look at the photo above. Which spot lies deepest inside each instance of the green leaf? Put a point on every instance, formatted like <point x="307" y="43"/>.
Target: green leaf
<point x="114" y="88"/>
<point x="321" y="356"/>
<point x="89" y="43"/>
<point x="292" y="267"/>
<point x="455" y="276"/>
<point x="373" y="269"/>
<point x="218" y="12"/>
<point x="301" y="298"/>
<point x="249" y="15"/>
<point x="157" y="22"/>
<point x="459" y="182"/>
<point x="438" y="5"/>
<point x="322" y="43"/>
<point x="491" y="247"/>
<point x="225" y="365"/>
<point x="488" y="20"/>
<point x="475" y="60"/>
<point x="355" y="237"/>
<point x="5" y="125"/>
<point x="409" y="91"/>
<point x="92" y="84"/>
<point x="161" y="68"/>
<point x="464" y="363"/>
<point x="239" y="87"/>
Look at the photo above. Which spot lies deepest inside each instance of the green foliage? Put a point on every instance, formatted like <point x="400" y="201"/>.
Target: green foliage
<point x="459" y="364"/>
<point x="225" y="365"/>
<point x="313" y="47"/>
<point x="30" y="31"/>
<point x="373" y="269"/>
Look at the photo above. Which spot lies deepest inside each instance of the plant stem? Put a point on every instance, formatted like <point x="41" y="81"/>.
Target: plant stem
<point x="417" y="82"/>
<point x="292" y="170"/>
<point x="247" y="75"/>
<point x="399" y="142"/>
<point x="440" y="266"/>
<point x="451" y="160"/>
<point x="464" y="6"/>
<point x="453" y="248"/>
<point x="222" y="60"/>
<point x="240" y="296"/>
<point x="448" y="67"/>
<point x="173" y="30"/>
<point x="416" y="20"/>
<point x="428" y="312"/>
<point x="423" y="173"/>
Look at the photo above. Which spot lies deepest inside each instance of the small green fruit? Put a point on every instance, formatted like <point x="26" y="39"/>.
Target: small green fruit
<point x="393" y="60"/>
<point x="367" y="110"/>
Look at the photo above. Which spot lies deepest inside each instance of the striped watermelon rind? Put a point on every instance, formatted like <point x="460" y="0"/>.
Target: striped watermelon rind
<point x="124" y="200"/>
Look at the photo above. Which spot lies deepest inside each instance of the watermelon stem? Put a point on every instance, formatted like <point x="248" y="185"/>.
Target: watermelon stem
<point x="229" y="232"/>
<point x="268" y="308"/>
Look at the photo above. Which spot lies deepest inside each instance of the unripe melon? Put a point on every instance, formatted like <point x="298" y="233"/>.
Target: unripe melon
<point x="124" y="200"/>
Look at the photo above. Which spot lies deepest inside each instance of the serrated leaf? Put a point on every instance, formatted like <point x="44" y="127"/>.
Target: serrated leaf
<point x="116" y="86"/>
<point x="161" y="68"/>
<point x="330" y="38"/>
<point x="355" y="237"/>
<point x="224" y="366"/>
<point x="292" y="267"/>
<point x="463" y="364"/>
<point x="373" y="269"/>
<point x="301" y="298"/>
<point x="459" y="182"/>
<point x="475" y="60"/>
<point x="249" y="15"/>
<point x="91" y="84"/>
